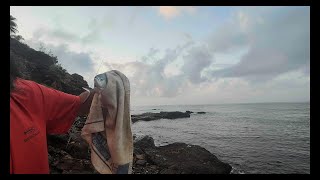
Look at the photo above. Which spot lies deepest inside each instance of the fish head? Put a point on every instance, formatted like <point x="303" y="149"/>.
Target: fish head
<point x="100" y="81"/>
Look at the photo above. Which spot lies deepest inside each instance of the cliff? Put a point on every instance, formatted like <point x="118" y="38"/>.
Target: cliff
<point x="44" y="69"/>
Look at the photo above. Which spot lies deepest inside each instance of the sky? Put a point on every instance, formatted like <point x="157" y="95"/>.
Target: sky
<point x="176" y="55"/>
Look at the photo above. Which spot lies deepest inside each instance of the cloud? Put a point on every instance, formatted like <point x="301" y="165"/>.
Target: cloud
<point x="275" y="45"/>
<point x="278" y="40"/>
<point x="170" y="12"/>
<point x="150" y="57"/>
<point x="62" y="35"/>
<point x="258" y="63"/>
<point x="74" y="62"/>
<point x="149" y="78"/>
<point x="227" y="38"/>
<point x="197" y="59"/>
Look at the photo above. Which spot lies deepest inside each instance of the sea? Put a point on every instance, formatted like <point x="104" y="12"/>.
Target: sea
<point x="257" y="138"/>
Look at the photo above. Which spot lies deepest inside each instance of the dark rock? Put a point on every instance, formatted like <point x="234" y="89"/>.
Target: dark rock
<point x="144" y="143"/>
<point x="162" y="115"/>
<point x="189" y="112"/>
<point x="78" y="124"/>
<point x="78" y="147"/>
<point x="58" y="141"/>
<point x="174" y="115"/>
<point x="137" y="150"/>
<point x="141" y="162"/>
<point x="201" y="112"/>
<point x="74" y="165"/>
<point x="140" y="156"/>
<point x="178" y="158"/>
<point x="168" y="171"/>
<point x="63" y="163"/>
<point x="72" y="144"/>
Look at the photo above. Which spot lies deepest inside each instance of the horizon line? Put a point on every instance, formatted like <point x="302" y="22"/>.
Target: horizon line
<point x="227" y="103"/>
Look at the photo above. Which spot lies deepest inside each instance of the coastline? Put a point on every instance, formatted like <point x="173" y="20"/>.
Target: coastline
<point x="70" y="154"/>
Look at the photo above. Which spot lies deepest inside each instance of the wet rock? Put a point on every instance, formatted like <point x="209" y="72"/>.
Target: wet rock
<point x="174" y="115"/>
<point x="140" y="156"/>
<point x="162" y="115"/>
<point x="141" y="162"/>
<point x="145" y="143"/>
<point x="180" y="158"/>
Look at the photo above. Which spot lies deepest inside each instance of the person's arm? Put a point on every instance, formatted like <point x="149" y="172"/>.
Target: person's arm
<point x="86" y="100"/>
<point x="61" y="108"/>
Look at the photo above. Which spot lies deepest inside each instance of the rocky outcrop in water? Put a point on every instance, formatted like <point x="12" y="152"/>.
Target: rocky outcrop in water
<point x="189" y="112"/>
<point x="162" y="115"/>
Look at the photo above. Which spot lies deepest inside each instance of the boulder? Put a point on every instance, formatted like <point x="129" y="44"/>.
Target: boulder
<point x="181" y="158"/>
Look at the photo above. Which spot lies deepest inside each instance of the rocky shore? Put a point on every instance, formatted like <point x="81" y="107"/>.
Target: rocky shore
<point x="70" y="154"/>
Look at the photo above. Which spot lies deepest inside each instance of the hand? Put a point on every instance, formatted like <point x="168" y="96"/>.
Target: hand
<point x="85" y="100"/>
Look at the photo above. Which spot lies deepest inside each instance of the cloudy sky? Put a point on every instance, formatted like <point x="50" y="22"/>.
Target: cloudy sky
<point x="181" y="55"/>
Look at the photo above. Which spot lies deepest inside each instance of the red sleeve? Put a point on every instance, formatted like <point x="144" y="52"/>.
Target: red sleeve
<point x="60" y="108"/>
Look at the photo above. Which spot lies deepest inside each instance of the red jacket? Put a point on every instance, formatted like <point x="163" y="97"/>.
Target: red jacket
<point x="36" y="111"/>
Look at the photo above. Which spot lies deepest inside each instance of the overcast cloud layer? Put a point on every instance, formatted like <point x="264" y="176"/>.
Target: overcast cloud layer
<point x="174" y="55"/>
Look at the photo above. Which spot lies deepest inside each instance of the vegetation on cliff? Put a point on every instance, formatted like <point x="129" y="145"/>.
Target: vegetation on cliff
<point x="42" y="66"/>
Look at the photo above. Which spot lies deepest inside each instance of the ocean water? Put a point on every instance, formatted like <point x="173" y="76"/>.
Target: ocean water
<point x="262" y="138"/>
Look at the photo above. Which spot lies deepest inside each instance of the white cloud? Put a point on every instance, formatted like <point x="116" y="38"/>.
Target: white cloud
<point x="170" y="12"/>
<point x="278" y="40"/>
